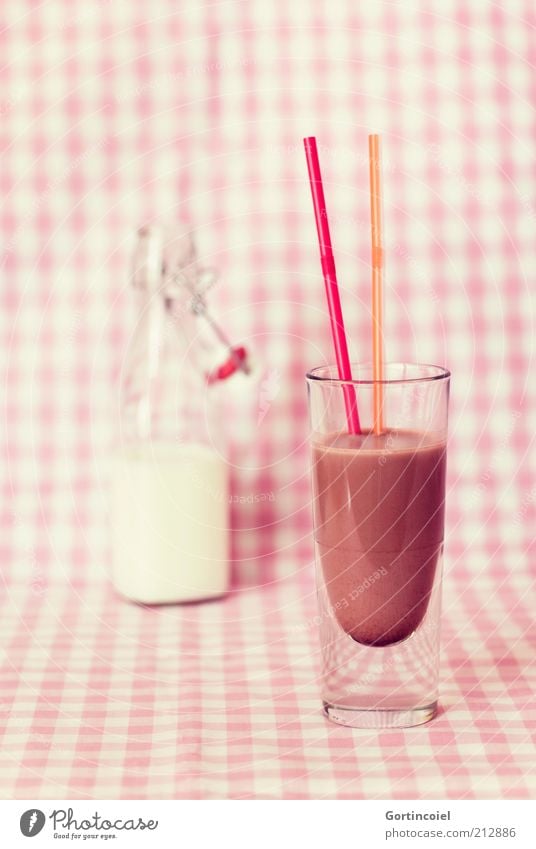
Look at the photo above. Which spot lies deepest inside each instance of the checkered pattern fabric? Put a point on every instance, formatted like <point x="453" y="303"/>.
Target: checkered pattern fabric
<point x="104" y="699"/>
<point x="116" y="113"/>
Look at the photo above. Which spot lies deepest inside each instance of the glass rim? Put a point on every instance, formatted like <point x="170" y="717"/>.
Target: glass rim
<point x="442" y="373"/>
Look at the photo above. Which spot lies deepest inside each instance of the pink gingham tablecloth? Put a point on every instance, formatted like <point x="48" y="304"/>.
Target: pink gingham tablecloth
<point x="100" y="698"/>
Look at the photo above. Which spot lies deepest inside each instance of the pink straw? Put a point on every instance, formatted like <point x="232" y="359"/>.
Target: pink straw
<point x="332" y="289"/>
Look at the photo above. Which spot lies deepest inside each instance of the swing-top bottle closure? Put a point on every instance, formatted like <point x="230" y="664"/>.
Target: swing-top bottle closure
<point x="166" y="266"/>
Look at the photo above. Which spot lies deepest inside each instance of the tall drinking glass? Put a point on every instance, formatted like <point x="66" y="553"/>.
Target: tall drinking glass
<point x="378" y="510"/>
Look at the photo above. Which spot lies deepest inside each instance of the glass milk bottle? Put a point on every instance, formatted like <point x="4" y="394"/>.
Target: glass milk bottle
<point x="169" y="505"/>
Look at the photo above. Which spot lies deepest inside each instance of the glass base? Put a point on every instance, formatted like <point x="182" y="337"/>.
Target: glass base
<point x="378" y="718"/>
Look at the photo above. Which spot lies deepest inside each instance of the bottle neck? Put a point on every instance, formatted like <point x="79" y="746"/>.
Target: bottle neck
<point x="162" y="390"/>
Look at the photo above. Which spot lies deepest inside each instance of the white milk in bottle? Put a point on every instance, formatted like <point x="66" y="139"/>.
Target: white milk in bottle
<point x="170" y="532"/>
<point x="170" y="481"/>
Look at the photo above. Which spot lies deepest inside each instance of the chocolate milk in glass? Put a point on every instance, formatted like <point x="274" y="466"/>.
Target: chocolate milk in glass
<point x="379" y="521"/>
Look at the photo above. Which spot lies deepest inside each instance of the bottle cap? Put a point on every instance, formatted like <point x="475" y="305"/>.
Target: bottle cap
<point x="165" y="262"/>
<point x="148" y="259"/>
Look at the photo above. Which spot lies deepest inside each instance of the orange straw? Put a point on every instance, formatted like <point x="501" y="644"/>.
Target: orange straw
<point x="377" y="281"/>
